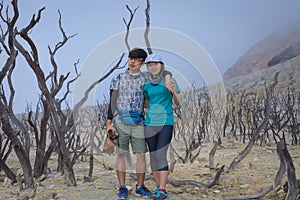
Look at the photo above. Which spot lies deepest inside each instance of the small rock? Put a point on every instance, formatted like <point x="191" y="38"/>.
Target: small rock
<point x="216" y="191"/>
<point x="244" y="186"/>
<point x="7" y="182"/>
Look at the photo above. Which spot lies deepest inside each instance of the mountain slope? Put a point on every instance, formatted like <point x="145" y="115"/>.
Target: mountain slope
<point x="260" y="54"/>
<point x="288" y="77"/>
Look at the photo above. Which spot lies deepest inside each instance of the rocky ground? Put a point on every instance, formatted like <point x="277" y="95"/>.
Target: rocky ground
<point x="251" y="176"/>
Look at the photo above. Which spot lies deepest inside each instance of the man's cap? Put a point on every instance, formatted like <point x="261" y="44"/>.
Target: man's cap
<point x="153" y="58"/>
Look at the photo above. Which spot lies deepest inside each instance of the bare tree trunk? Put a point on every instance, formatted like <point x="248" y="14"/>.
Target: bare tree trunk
<point x="17" y="146"/>
<point x="293" y="188"/>
<point x="282" y="168"/>
<point x="41" y="158"/>
<point x="212" y="155"/>
<point x="8" y="171"/>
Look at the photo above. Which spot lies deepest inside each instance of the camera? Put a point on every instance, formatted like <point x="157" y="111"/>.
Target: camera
<point x="112" y="133"/>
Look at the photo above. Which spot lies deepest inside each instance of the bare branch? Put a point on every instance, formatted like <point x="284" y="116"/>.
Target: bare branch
<point x="57" y="47"/>
<point x="132" y="13"/>
<point x="11" y="87"/>
<point x="91" y="87"/>
<point x="147" y="30"/>
<point x="2" y="41"/>
<point x="69" y="83"/>
<point x="24" y="34"/>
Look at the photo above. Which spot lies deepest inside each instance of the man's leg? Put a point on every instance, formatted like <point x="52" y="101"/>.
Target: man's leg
<point x="139" y="147"/>
<point x="121" y="168"/>
<point x="122" y="149"/>
<point x="140" y="168"/>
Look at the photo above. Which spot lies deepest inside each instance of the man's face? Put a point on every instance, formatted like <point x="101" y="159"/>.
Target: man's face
<point x="135" y="64"/>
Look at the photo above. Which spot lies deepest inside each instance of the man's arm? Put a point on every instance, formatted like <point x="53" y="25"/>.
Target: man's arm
<point x="111" y="109"/>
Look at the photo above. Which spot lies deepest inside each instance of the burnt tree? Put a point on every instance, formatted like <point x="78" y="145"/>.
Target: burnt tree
<point x="9" y="121"/>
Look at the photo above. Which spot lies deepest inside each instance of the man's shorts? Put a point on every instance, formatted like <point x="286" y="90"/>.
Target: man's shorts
<point x="129" y="134"/>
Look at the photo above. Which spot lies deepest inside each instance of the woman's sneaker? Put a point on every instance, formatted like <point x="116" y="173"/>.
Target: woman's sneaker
<point x="160" y="195"/>
<point x="142" y="191"/>
<point x="123" y="192"/>
<point x="156" y="191"/>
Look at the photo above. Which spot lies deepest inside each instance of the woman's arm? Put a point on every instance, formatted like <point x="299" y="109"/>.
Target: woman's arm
<point x="168" y="77"/>
<point x="176" y="98"/>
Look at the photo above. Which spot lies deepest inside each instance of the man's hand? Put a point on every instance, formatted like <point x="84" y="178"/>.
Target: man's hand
<point x="112" y="134"/>
<point x="110" y="127"/>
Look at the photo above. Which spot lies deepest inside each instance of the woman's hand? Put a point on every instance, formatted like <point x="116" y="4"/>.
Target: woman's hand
<point x="176" y="96"/>
<point x="168" y="81"/>
<point x="172" y="86"/>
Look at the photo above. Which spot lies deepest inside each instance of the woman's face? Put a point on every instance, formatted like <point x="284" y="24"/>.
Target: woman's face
<point x="154" y="68"/>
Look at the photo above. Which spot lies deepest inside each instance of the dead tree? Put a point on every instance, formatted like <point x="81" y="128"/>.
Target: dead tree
<point x="217" y="116"/>
<point x="253" y="109"/>
<point x="232" y="113"/>
<point x="87" y="126"/>
<point x="286" y="165"/>
<point x="279" y="116"/>
<point x="39" y="124"/>
<point x="7" y="117"/>
<point x="48" y="92"/>
<point x="293" y="108"/>
<point x="5" y="150"/>
<point x="241" y="111"/>
<point x="191" y="128"/>
<point x="254" y="137"/>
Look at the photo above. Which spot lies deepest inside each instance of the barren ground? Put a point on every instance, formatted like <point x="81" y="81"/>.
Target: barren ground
<point x="252" y="175"/>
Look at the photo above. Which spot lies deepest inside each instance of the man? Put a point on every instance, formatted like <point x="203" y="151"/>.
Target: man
<point x="126" y="108"/>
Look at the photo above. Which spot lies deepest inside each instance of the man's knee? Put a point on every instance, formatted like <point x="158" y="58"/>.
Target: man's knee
<point x="140" y="156"/>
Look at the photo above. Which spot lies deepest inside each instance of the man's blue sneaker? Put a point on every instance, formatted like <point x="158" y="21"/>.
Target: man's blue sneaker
<point x="160" y="195"/>
<point x="123" y="192"/>
<point x="142" y="191"/>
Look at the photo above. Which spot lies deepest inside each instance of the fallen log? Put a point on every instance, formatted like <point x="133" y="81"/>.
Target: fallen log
<point x="252" y="196"/>
<point x="189" y="182"/>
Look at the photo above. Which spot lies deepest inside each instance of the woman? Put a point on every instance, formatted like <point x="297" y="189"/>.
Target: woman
<point x="159" y="120"/>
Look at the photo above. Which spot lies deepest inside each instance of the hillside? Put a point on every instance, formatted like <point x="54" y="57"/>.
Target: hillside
<point x="288" y="77"/>
<point x="283" y="44"/>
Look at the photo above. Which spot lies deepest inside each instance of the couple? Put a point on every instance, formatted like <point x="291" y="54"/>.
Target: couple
<point x="130" y="93"/>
